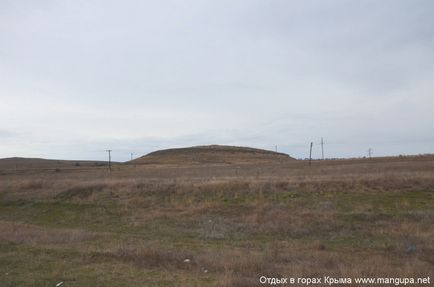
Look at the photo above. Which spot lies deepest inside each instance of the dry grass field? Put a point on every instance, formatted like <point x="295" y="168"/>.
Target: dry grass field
<point x="217" y="224"/>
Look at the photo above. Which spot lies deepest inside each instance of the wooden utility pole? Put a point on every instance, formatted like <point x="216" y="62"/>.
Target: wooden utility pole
<point x="322" y="148"/>
<point x="110" y="159"/>
<point x="310" y="153"/>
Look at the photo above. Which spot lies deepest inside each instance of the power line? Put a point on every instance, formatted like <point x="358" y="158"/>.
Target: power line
<point x="110" y="159"/>
<point x="322" y="148"/>
<point x="370" y="152"/>
<point x="310" y="153"/>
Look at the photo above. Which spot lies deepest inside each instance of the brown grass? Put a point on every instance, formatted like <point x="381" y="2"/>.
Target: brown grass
<point x="21" y="233"/>
<point x="233" y="223"/>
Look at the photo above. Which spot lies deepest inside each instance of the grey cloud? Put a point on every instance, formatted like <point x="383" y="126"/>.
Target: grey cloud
<point x="163" y="73"/>
<point x="7" y="134"/>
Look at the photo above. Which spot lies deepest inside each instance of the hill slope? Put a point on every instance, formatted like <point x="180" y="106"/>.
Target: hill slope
<point x="21" y="163"/>
<point x="211" y="154"/>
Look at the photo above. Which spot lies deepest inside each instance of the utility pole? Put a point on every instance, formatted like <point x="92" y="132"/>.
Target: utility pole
<point x="310" y="154"/>
<point x="131" y="156"/>
<point x="110" y="159"/>
<point x="370" y="152"/>
<point x="322" y="148"/>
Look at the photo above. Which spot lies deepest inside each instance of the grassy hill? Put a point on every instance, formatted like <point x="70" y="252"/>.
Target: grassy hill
<point x="211" y="154"/>
<point x="217" y="225"/>
<point x="21" y="163"/>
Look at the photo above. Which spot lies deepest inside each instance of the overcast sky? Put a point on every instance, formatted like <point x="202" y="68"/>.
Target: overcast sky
<point x="79" y="77"/>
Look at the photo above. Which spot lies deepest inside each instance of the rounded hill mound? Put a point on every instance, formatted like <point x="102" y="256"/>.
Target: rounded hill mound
<point x="211" y="154"/>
